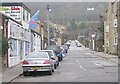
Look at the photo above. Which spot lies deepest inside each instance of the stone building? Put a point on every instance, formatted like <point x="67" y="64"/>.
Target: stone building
<point x="110" y="29"/>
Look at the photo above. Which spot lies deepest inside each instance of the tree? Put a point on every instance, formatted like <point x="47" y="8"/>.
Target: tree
<point x="73" y="25"/>
<point x="83" y="25"/>
<point x="3" y="45"/>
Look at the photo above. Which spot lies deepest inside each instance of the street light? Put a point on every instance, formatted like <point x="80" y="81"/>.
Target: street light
<point x="93" y="40"/>
<point x="48" y="24"/>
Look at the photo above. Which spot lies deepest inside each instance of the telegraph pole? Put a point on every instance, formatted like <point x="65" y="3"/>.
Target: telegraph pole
<point x="48" y="25"/>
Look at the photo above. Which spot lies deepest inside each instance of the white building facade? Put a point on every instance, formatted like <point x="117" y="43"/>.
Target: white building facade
<point x="18" y="17"/>
<point x="19" y="43"/>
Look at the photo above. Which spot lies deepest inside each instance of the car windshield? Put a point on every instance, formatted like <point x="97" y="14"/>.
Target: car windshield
<point x="37" y="55"/>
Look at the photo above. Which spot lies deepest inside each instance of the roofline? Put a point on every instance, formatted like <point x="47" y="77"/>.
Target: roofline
<point x="33" y="31"/>
<point x="17" y="4"/>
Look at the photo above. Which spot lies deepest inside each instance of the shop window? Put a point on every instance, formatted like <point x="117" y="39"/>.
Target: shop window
<point x="13" y="51"/>
<point x="21" y="49"/>
<point x="27" y="47"/>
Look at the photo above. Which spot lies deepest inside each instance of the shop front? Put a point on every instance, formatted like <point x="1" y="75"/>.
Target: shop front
<point x="19" y="43"/>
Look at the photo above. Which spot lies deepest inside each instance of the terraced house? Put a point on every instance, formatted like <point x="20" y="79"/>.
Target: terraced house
<point x="110" y="29"/>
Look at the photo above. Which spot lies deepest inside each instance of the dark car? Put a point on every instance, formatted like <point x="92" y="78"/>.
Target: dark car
<point x="57" y="51"/>
<point x="67" y="44"/>
<point x="65" y="47"/>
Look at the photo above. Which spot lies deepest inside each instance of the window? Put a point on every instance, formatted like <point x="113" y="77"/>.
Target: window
<point x="27" y="16"/>
<point x="23" y="15"/>
<point x="13" y="47"/>
<point x="27" y="45"/>
<point x="115" y="42"/>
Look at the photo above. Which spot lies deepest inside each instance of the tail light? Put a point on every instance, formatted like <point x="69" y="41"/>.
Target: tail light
<point x="46" y="62"/>
<point x="25" y="62"/>
<point x="58" y="53"/>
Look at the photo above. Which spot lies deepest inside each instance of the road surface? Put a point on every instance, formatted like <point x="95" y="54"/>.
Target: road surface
<point x="79" y="65"/>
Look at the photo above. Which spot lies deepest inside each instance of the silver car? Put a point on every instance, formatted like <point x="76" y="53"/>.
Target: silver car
<point x="36" y="62"/>
<point x="53" y="56"/>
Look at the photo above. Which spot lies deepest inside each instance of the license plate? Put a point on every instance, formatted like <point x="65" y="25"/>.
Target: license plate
<point x="36" y="68"/>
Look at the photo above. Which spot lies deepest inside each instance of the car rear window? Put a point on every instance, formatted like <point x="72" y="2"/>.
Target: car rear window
<point x="50" y="53"/>
<point x="38" y="55"/>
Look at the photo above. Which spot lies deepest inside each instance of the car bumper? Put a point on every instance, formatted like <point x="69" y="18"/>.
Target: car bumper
<point x="36" y="68"/>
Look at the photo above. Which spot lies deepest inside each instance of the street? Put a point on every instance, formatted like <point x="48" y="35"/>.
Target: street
<point x="79" y="65"/>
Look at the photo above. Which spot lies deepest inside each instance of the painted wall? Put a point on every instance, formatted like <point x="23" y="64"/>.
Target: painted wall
<point x="19" y="43"/>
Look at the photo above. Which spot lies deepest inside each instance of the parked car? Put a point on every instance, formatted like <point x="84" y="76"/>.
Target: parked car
<point x="37" y="62"/>
<point x="63" y="51"/>
<point x="70" y="41"/>
<point x="68" y="44"/>
<point x="53" y="56"/>
<point x="78" y="44"/>
<point x="76" y="41"/>
<point x="65" y="47"/>
<point x="57" y="51"/>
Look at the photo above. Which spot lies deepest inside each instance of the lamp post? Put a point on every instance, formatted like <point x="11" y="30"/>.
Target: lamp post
<point x="48" y="24"/>
<point x="93" y="40"/>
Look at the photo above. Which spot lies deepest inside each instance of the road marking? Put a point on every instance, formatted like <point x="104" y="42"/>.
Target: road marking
<point x="89" y="53"/>
<point x="80" y="65"/>
<point x="97" y="64"/>
<point x="77" y="61"/>
<point x="104" y="63"/>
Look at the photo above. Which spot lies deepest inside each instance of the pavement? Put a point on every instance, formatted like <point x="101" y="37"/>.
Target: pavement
<point x="11" y="73"/>
<point x="112" y="58"/>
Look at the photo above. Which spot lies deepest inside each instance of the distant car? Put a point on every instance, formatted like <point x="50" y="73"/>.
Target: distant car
<point x="70" y="41"/>
<point x="56" y="49"/>
<point x="78" y="44"/>
<point x="37" y="62"/>
<point x="65" y="47"/>
<point x="68" y="44"/>
<point x="53" y="56"/>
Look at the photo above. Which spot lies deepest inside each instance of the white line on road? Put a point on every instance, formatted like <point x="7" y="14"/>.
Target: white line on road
<point x="80" y="65"/>
<point x="98" y="64"/>
<point x="77" y="61"/>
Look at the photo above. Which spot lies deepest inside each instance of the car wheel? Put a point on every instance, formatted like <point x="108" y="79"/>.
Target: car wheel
<point x="58" y="64"/>
<point x="61" y="58"/>
<point x="26" y="73"/>
<point x="55" y="66"/>
<point x="50" y="72"/>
